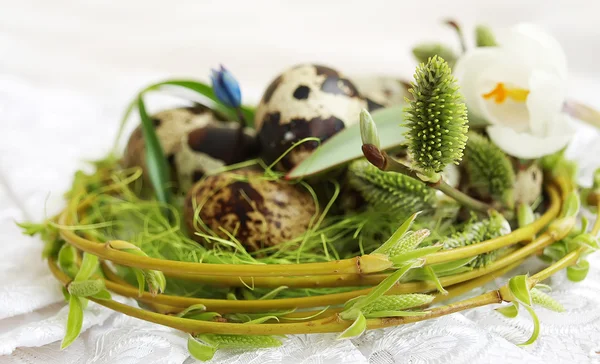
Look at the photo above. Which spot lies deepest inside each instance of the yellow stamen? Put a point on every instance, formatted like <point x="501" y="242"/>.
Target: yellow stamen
<point x="501" y="93"/>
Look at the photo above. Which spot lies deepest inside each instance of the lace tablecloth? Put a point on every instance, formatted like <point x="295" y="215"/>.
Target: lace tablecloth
<point x="47" y="130"/>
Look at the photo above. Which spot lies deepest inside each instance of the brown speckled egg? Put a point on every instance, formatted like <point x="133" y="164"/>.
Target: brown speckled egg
<point x="259" y="212"/>
<point x="382" y="91"/>
<point x="304" y="101"/>
<point x="195" y="141"/>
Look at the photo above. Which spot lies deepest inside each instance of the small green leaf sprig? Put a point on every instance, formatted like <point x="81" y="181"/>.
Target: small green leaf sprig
<point x="520" y="295"/>
<point x="437" y="132"/>
<point x="389" y="191"/>
<point x="489" y="169"/>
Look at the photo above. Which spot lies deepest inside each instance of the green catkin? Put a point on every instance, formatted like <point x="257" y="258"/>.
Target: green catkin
<point x="389" y="191"/>
<point x="224" y="341"/>
<point x="397" y="302"/>
<point x="408" y="243"/>
<point x="484" y="37"/>
<point x="477" y="232"/>
<point x="489" y="169"/>
<point x="86" y="288"/>
<point x="436" y="117"/>
<point x="424" y="51"/>
<point x="542" y="299"/>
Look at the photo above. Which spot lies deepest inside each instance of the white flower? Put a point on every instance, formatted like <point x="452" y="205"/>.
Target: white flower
<point x="519" y="88"/>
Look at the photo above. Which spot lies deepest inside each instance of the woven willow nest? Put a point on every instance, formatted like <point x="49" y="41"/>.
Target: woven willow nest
<point x="361" y="271"/>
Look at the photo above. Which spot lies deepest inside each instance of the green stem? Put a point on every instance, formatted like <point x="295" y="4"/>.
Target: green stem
<point x="384" y="162"/>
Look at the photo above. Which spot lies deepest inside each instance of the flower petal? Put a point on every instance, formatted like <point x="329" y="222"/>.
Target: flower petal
<point x="527" y="146"/>
<point x="545" y="101"/>
<point x="535" y="46"/>
<point x="468" y="70"/>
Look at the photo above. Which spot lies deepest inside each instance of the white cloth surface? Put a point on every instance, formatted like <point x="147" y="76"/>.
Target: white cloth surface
<point x="68" y="68"/>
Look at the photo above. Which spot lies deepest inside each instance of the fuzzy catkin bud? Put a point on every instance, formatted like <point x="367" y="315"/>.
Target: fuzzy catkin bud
<point x="484" y="37"/>
<point x="225" y="341"/>
<point x="424" y="51"/>
<point x="86" y="288"/>
<point x="542" y="299"/>
<point x="489" y="169"/>
<point x="389" y="191"/>
<point x="408" y="243"/>
<point x="436" y="117"/>
<point x="397" y="302"/>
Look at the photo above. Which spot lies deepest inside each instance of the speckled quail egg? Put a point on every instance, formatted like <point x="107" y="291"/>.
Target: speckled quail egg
<point x="307" y="100"/>
<point x="257" y="211"/>
<point x="195" y="141"/>
<point x="528" y="184"/>
<point x="381" y="91"/>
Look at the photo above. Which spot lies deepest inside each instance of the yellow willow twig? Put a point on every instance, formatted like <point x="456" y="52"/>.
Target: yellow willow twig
<point x="358" y="266"/>
<point x="328" y="324"/>
<point x="339" y="298"/>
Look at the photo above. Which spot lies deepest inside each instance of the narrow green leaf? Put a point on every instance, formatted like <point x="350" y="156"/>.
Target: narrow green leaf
<point x="571" y="205"/>
<point x="356" y="329"/>
<point x="345" y="146"/>
<point x="585" y="222"/>
<point x="74" y="322"/>
<point x="273" y="293"/>
<point x="204" y="316"/>
<point x="306" y="317"/>
<point x="263" y="319"/>
<point x="510" y="311"/>
<point x="200" y="351"/>
<point x="525" y="215"/>
<point x="397" y="235"/>
<point x="415" y="254"/>
<point x="66" y="294"/>
<point x="519" y="289"/>
<point x="434" y="278"/>
<point x="67" y="260"/>
<point x="384" y="286"/>
<point x="102" y="295"/>
<point x="196" y="307"/>
<point x="158" y="170"/>
<point x="89" y="264"/>
<point x="579" y="271"/>
<point x="141" y="280"/>
<point x="536" y="327"/>
<point x="396" y="314"/>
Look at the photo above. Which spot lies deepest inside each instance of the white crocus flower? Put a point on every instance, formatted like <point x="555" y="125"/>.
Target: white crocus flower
<point x="519" y="88"/>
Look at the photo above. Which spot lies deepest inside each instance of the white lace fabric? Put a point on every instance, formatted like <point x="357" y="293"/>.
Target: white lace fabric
<point x="45" y="144"/>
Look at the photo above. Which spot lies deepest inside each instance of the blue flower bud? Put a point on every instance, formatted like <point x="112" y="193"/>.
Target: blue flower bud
<point x="226" y="87"/>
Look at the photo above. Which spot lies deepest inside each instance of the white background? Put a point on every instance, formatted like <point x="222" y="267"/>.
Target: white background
<point x="68" y="68"/>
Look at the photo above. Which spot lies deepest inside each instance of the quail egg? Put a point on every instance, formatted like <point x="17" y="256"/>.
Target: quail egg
<point x="307" y="100"/>
<point x="382" y="91"/>
<point x="528" y="184"/>
<point x="259" y="212"/>
<point x="195" y="141"/>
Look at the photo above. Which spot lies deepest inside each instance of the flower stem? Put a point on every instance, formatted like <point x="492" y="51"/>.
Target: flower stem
<point x="384" y="162"/>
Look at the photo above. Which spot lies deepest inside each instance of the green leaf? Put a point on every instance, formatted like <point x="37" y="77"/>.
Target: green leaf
<point x="396" y="314"/>
<point x="510" y="311"/>
<point x="525" y="215"/>
<point x="89" y="264"/>
<point x="273" y="293"/>
<point x="415" y="254"/>
<point x="263" y="319"/>
<point x="67" y="260"/>
<point x="578" y="272"/>
<point x="74" y="321"/>
<point x="141" y="280"/>
<point x="384" y="286"/>
<point x="397" y="235"/>
<point x="66" y="294"/>
<point x="356" y="329"/>
<point x="102" y="295"/>
<point x="434" y="278"/>
<point x="571" y="205"/>
<point x="519" y="289"/>
<point x="196" y="307"/>
<point x="200" y="351"/>
<point x="204" y="316"/>
<point x="536" y="327"/>
<point x="345" y="146"/>
<point x="158" y="170"/>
